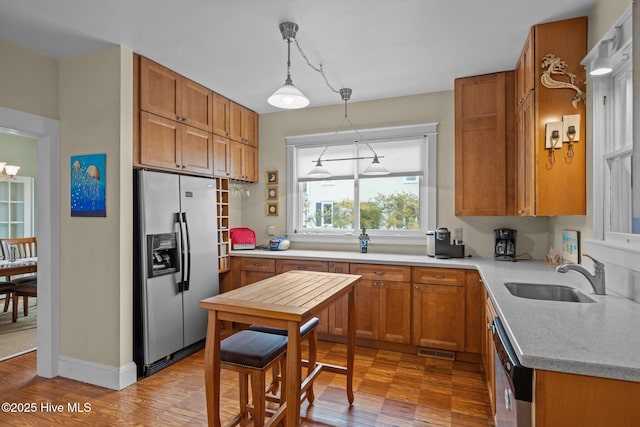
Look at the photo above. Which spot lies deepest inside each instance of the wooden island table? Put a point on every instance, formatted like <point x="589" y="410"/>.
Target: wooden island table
<point x="284" y="301"/>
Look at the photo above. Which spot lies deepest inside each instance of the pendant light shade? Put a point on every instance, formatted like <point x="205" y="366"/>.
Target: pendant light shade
<point x="319" y="171"/>
<point x="289" y="97"/>
<point x="375" y="168"/>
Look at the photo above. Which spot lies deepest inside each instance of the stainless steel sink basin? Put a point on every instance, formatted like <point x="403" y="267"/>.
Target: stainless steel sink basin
<point x="547" y="292"/>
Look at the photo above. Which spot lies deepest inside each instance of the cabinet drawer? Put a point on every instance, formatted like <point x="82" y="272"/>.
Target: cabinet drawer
<point x="258" y="264"/>
<point x="393" y="273"/>
<point x="440" y="276"/>
<point x="283" y="265"/>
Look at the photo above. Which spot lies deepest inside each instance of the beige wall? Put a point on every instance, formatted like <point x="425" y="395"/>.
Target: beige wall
<point x="426" y="108"/>
<point x="602" y="17"/>
<point x="95" y="112"/>
<point x="28" y="81"/>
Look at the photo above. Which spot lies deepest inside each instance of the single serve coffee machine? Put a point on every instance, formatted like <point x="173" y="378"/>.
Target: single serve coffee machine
<point x="505" y="244"/>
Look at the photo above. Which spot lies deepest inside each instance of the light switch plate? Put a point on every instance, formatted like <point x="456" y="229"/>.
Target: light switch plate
<point x="571" y="120"/>
<point x="549" y="128"/>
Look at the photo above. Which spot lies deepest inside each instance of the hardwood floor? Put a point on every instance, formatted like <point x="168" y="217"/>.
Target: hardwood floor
<point x="391" y="389"/>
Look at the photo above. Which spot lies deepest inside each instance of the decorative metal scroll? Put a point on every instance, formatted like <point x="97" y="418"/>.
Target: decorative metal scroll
<point x="554" y="65"/>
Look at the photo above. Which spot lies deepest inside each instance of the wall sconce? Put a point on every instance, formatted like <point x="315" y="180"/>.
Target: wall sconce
<point x="553" y="141"/>
<point x="603" y="63"/>
<point x="571" y="133"/>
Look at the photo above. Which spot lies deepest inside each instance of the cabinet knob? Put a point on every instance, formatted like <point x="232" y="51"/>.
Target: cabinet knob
<point x="520" y="211"/>
<point x="520" y="101"/>
<point x="382" y="284"/>
<point x="437" y="276"/>
<point x="380" y="273"/>
<point x="417" y="288"/>
<point x="458" y="212"/>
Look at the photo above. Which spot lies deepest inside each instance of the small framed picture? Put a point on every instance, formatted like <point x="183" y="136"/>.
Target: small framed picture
<point x="570" y="247"/>
<point x="272" y="177"/>
<point x="272" y="193"/>
<point x="272" y="209"/>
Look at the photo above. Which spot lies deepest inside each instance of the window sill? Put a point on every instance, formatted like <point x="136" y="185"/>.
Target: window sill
<point x="619" y="249"/>
<point x="388" y="239"/>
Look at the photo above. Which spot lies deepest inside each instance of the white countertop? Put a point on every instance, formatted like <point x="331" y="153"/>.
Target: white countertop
<point x="598" y="339"/>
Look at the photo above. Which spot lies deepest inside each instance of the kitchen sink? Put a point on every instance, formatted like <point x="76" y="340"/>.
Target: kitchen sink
<point x="547" y="292"/>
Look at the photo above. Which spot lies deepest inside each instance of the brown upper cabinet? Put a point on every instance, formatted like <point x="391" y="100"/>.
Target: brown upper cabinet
<point x="170" y="95"/>
<point x="243" y="125"/>
<point x="484" y="145"/>
<point x="221" y="116"/>
<point x="551" y="181"/>
<point x="182" y="126"/>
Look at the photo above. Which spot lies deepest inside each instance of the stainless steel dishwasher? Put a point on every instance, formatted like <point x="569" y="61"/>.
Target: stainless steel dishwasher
<point x="514" y="382"/>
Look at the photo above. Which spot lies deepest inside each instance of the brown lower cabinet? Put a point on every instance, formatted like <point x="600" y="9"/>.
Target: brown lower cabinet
<point x="389" y="310"/>
<point x="488" y="351"/>
<point x="439" y="308"/>
<point x="383" y="297"/>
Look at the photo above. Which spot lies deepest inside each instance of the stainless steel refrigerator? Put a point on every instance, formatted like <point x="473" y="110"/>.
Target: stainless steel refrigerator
<point x="175" y="266"/>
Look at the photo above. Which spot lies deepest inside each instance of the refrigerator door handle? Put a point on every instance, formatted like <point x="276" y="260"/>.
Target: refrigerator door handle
<point x="186" y="227"/>
<point x="183" y="254"/>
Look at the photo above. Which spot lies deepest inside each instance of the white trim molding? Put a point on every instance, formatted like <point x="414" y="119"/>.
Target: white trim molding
<point x="115" y="378"/>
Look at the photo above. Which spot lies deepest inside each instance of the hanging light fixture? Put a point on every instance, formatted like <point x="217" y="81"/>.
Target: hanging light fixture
<point x="374" y="169"/>
<point x="288" y="96"/>
<point x="8" y="172"/>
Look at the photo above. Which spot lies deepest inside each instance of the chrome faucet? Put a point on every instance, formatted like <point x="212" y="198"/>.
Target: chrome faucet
<point x="596" y="280"/>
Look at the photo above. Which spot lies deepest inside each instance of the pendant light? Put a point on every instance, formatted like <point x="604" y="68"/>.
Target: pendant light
<point x="288" y="96"/>
<point x="375" y="168"/>
<point x="7" y="172"/>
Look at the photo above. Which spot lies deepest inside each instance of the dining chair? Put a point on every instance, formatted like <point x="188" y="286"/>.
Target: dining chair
<point x="25" y="286"/>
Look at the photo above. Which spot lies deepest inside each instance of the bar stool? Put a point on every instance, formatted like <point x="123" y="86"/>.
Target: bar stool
<point x="307" y="331"/>
<point x="251" y="353"/>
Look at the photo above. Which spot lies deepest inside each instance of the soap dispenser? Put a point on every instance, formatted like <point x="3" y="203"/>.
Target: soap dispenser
<point x="364" y="241"/>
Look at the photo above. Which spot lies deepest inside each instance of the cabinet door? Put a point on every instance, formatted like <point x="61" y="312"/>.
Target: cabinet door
<point x="249" y="277"/>
<point x="338" y="312"/>
<point x="235" y="121"/>
<point x="525" y="71"/>
<point x="483" y="130"/>
<point x="249" y="127"/>
<point x="250" y="163"/>
<point x="159" y="142"/>
<point x="196" y="106"/>
<point x="221" y="156"/>
<point x="159" y="90"/>
<point x="235" y="160"/>
<point x="367" y="313"/>
<point x="438" y="316"/>
<point x="474" y="320"/>
<point x="196" y="150"/>
<point x="525" y="158"/>
<point x="220" y="115"/>
<point x="394" y="311"/>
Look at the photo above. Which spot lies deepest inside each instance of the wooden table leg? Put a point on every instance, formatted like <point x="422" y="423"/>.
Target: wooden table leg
<point x="292" y="375"/>
<point x="351" y="343"/>
<point x="212" y="369"/>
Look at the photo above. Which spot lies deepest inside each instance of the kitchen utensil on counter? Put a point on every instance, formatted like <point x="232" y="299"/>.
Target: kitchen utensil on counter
<point x="439" y="245"/>
<point x="279" y="244"/>
<point x="242" y="238"/>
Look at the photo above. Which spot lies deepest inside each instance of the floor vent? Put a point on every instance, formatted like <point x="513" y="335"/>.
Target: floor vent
<point x="438" y="354"/>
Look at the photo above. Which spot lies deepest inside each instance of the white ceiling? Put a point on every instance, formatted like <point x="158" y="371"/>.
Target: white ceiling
<point x="379" y="48"/>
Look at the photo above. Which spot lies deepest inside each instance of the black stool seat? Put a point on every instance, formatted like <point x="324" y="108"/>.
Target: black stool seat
<point x="304" y="329"/>
<point x="252" y="348"/>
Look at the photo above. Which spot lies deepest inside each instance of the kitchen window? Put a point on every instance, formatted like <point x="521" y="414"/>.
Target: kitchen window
<point x="398" y="206"/>
<point x="616" y="227"/>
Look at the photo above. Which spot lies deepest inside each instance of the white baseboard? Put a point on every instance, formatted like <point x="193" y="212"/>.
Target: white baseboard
<point x="96" y="374"/>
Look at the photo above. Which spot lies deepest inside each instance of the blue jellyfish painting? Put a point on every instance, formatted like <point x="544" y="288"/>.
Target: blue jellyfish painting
<point x="88" y="185"/>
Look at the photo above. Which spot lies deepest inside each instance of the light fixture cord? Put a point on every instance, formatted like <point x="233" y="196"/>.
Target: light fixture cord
<point x="318" y="69"/>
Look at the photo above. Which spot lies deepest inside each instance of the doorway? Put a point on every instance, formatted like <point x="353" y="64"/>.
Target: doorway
<point x="47" y="133"/>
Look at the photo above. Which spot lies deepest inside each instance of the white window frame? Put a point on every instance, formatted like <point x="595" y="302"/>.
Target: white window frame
<point x="618" y="248"/>
<point x="428" y="185"/>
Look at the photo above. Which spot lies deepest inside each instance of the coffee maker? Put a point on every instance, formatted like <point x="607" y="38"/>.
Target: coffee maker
<point x="505" y="244"/>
